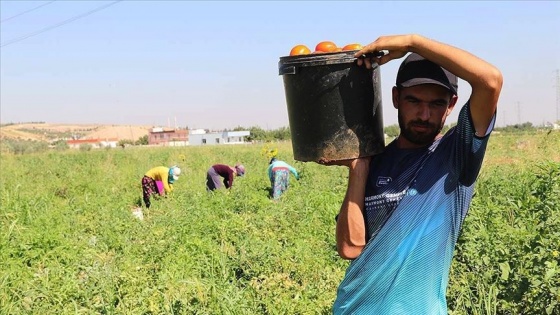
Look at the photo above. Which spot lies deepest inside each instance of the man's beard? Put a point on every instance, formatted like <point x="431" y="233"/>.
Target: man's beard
<point x="415" y="137"/>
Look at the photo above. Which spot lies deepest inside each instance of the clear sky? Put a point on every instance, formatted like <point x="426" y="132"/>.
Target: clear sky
<point x="215" y="64"/>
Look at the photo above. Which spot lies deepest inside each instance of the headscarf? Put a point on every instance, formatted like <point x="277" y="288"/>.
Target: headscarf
<point x="174" y="172"/>
<point x="240" y="170"/>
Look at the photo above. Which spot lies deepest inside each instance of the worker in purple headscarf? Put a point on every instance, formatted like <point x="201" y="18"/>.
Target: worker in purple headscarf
<point x="221" y="173"/>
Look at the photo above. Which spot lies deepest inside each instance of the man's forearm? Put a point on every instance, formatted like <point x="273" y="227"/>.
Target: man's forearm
<point x="350" y="225"/>
<point x="485" y="80"/>
<point x="477" y="72"/>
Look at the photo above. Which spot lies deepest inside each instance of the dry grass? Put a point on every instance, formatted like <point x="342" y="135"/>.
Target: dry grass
<point x="120" y="132"/>
<point x="40" y="132"/>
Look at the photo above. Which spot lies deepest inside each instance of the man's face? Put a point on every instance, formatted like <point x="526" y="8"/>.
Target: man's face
<point x="422" y="111"/>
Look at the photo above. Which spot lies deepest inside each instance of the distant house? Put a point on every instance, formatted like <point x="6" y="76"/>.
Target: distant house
<point x="197" y="131"/>
<point x="95" y="143"/>
<point x="224" y="137"/>
<point x="554" y="126"/>
<point x="168" y="137"/>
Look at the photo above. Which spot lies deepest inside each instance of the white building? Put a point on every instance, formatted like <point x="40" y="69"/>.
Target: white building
<point x="224" y="137"/>
<point x="554" y="126"/>
<point x="197" y="131"/>
<point x="94" y="143"/>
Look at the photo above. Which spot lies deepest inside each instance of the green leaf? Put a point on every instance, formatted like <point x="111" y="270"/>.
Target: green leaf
<point x="550" y="308"/>
<point x="549" y="274"/>
<point x="504" y="267"/>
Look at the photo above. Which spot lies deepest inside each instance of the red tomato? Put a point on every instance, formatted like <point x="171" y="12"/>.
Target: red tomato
<point x="352" y="47"/>
<point x="326" y="46"/>
<point x="300" y="50"/>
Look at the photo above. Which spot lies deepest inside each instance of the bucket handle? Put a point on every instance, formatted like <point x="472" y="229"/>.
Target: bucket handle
<point x="287" y="70"/>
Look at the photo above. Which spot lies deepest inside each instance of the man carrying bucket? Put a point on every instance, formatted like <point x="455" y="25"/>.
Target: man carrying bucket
<point x="404" y="208"/>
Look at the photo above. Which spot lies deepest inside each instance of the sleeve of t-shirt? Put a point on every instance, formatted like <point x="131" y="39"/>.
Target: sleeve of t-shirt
<point x="468" y="148"/>
<point x="230" y="179"/>
<point x="294" y="171"/>
<point x="165" y="179"/>
<point x="269" y="171"/>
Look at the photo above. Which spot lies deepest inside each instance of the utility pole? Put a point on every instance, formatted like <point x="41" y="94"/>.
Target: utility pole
<point x="519" y="113"/>
<point x="557" y="96"/>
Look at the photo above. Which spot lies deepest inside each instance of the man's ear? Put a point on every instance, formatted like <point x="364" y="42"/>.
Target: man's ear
<point x="395" y="92"/>
<point x="451" y="105"/>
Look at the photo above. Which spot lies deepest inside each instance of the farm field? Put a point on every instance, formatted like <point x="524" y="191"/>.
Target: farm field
<point x="70" y="245"/>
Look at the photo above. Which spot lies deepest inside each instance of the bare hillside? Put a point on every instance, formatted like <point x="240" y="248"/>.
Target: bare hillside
<point x="119" y="132"/>
<point x="50" y="132"/>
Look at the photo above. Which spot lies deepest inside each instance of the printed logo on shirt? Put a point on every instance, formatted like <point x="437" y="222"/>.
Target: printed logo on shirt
<point x="383" y="180"/>
<point x="383" y="200"/>
<point x="412" y="192"/>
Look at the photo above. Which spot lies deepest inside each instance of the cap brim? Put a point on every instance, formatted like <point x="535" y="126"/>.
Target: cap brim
<point x="420" y="81"/>
<point x="175" y="177"/>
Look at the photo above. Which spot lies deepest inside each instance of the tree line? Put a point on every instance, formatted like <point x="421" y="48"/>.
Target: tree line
<point x="260" y="135"/>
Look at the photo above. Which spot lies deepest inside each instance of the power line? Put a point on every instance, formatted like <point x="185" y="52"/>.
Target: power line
<point x="27" y="11"/>
<point x="48" y="28"/>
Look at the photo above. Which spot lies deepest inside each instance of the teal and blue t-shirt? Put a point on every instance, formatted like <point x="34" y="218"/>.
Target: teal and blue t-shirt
<point x="415" y="203"/>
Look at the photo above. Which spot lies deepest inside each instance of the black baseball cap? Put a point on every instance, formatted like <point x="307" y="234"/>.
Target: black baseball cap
<point x="416" y="70"/>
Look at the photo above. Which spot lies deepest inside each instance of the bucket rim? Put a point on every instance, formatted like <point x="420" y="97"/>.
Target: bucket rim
<point x="346" y="56"/>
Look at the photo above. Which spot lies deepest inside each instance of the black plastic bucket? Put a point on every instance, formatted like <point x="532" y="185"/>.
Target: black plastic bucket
<point x="334" y="107"/>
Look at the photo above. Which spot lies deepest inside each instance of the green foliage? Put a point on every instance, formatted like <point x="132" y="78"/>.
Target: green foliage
<point x="125" y="142"/>
<point x="52" y="134"/>
<point x="142" y="140"/>
<point x="392" y="130"/>
<point x="70" y="245"/>
<point x="447" y="127"/>
<point x="257" y="134"/>
<point x="20" y="123"/>
<point x="260" y="135"/>
<point x="60" y="145"/>
<point x="281" y="134"/>
<point x="524" y="127"/>
<point x="85" y="147"/>
<point x="17" y="146"/>
<point x="507" y="257"/>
